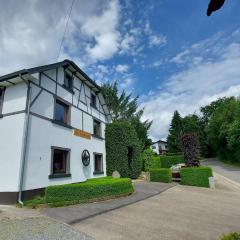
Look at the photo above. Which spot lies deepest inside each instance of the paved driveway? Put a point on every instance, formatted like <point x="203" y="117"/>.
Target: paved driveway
<point x="231" y="172"/>
<point x="180" y="213"/>
<point x="76" y="213"/>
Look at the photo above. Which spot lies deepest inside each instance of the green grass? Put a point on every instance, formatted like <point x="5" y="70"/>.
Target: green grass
<point x="161" y="175"/>
<point x="236" y="164"/>
<point x="231" y="236"/>
<point x="196" y="176"/>
<point x="90" y="191"/>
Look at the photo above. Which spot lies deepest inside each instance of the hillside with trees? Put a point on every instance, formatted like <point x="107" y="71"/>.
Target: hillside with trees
<point x="217" y="128"/>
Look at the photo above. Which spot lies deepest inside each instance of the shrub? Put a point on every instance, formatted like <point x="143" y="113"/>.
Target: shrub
<point x="168" y="161"/>
<point x="231" y="236"/>
<point x="92" y="189"/>
<point x="196" y="176"/>
<point x="156" y="162"/>
<point x="147" y="158"/>
<point x="123" y="150"/>
<point x="191" y="149"/>
<point x="161" y="175"/>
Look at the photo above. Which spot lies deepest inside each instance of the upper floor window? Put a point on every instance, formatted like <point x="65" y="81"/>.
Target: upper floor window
<point x="97" y="128"/>
<point x="68" y="81"/>
<point x="62" y="112"/>
<point x="93" y="100"/>
<point x="1" y="99"/>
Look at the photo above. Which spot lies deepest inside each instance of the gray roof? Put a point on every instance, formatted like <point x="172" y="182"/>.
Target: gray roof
<point x="64" y="63"/>
<point x="159" y="141"/>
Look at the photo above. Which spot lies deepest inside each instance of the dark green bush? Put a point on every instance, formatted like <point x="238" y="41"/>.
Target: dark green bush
<point x="93" y="189"/>
<point x="168" y="161"/>
<point x="231" y="236"/>
<point x="196" y="176"/>
<point x="161" y="175"/>
<point x="123" y="150"/>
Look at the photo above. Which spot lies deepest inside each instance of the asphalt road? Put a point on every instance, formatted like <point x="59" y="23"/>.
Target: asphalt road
<point x="228" y="171"/>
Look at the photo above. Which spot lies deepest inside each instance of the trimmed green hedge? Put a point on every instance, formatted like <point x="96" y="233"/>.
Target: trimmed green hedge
<point x="156" y="162"/>
<point x="93" y="189"/>
<point x="168" y="161"/>
<point x="161" y="175"/>
<point x="123" y="150"/>
<point x="196" y="176"/>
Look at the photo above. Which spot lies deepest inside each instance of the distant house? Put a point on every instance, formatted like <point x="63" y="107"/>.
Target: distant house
<point x="159" y="147"/>
<point x="52" y="125"/>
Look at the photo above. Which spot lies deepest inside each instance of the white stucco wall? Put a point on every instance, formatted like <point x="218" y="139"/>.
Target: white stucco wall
<point x="45" y="134"/>
<point x="155" y="148"/>
<point x="11" y="136"/>
<point x="15" y="98"/>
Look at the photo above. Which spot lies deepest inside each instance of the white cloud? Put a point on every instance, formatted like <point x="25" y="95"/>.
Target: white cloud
<point x="127" y="83"/>
<point x="155" y="40"/>
<point x="122" y="68"/>
<point x="194" y="86"/>
<point x="103" y="29"/>
<point x="31" y="32"/>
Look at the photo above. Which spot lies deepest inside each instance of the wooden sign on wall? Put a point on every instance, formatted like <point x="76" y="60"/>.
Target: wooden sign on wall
<point x="80" y="133"/>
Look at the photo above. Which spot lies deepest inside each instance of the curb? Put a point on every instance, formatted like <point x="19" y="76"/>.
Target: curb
<point x="228" y="180"/>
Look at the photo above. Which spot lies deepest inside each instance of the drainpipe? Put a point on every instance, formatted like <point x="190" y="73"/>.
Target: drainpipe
<point x="25" y="141"/>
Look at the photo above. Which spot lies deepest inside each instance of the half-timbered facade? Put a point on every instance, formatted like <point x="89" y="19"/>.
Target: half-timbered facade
<point x="52" y="125"/>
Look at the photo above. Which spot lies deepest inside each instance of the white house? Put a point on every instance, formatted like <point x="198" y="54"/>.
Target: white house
<point x="159" y="147"/>
<point x="52" y="126"/>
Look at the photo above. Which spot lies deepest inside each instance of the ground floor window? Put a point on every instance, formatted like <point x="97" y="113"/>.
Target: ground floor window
<point x="98" y="163"/>
<point x="60" y="162"/>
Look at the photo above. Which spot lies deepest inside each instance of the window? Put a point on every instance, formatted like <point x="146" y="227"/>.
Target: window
<point x="60" y="162"/>
<point x="93" y="100"/>
<point x="1" y="99"/>
<point x="153" y="147"/>
<point x="98" y="163"/>
<point x="62" y="112"/>
<point x="68" y="81"/>
<point x="96" y="128"/>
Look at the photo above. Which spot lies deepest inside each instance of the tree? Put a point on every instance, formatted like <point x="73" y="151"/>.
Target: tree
<point x="194" y="124"/>
<point x="121" y="106"/>
<point x="124" y="107"/>
<point x="191" y="149"/>
<point x="222" y="125"/>
<point x="175" y="132"/>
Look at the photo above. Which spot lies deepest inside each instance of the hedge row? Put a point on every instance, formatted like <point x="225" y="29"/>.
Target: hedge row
<point x="168" y="161"/>
<point x="123" y="150"/>
<point x="92" y="189"/>
<point x="156" y="162"/>
<point x="161" y="175"/>
<point x="196" y="176"/>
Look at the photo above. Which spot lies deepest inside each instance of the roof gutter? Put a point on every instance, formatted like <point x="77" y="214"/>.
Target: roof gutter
<point x="25" y="141"/>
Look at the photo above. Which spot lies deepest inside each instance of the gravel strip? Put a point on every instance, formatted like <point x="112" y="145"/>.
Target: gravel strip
<point x="39" y="228"/>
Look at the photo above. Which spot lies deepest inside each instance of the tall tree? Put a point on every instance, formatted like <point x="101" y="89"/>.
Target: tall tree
<point x="175" y="133"/>
<point x="124" y="106"/>
<point x="194" y="124"/>
<point x="120" y="105"/>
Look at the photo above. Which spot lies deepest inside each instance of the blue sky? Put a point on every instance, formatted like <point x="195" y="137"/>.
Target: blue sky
<point x="166" y="51"/>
